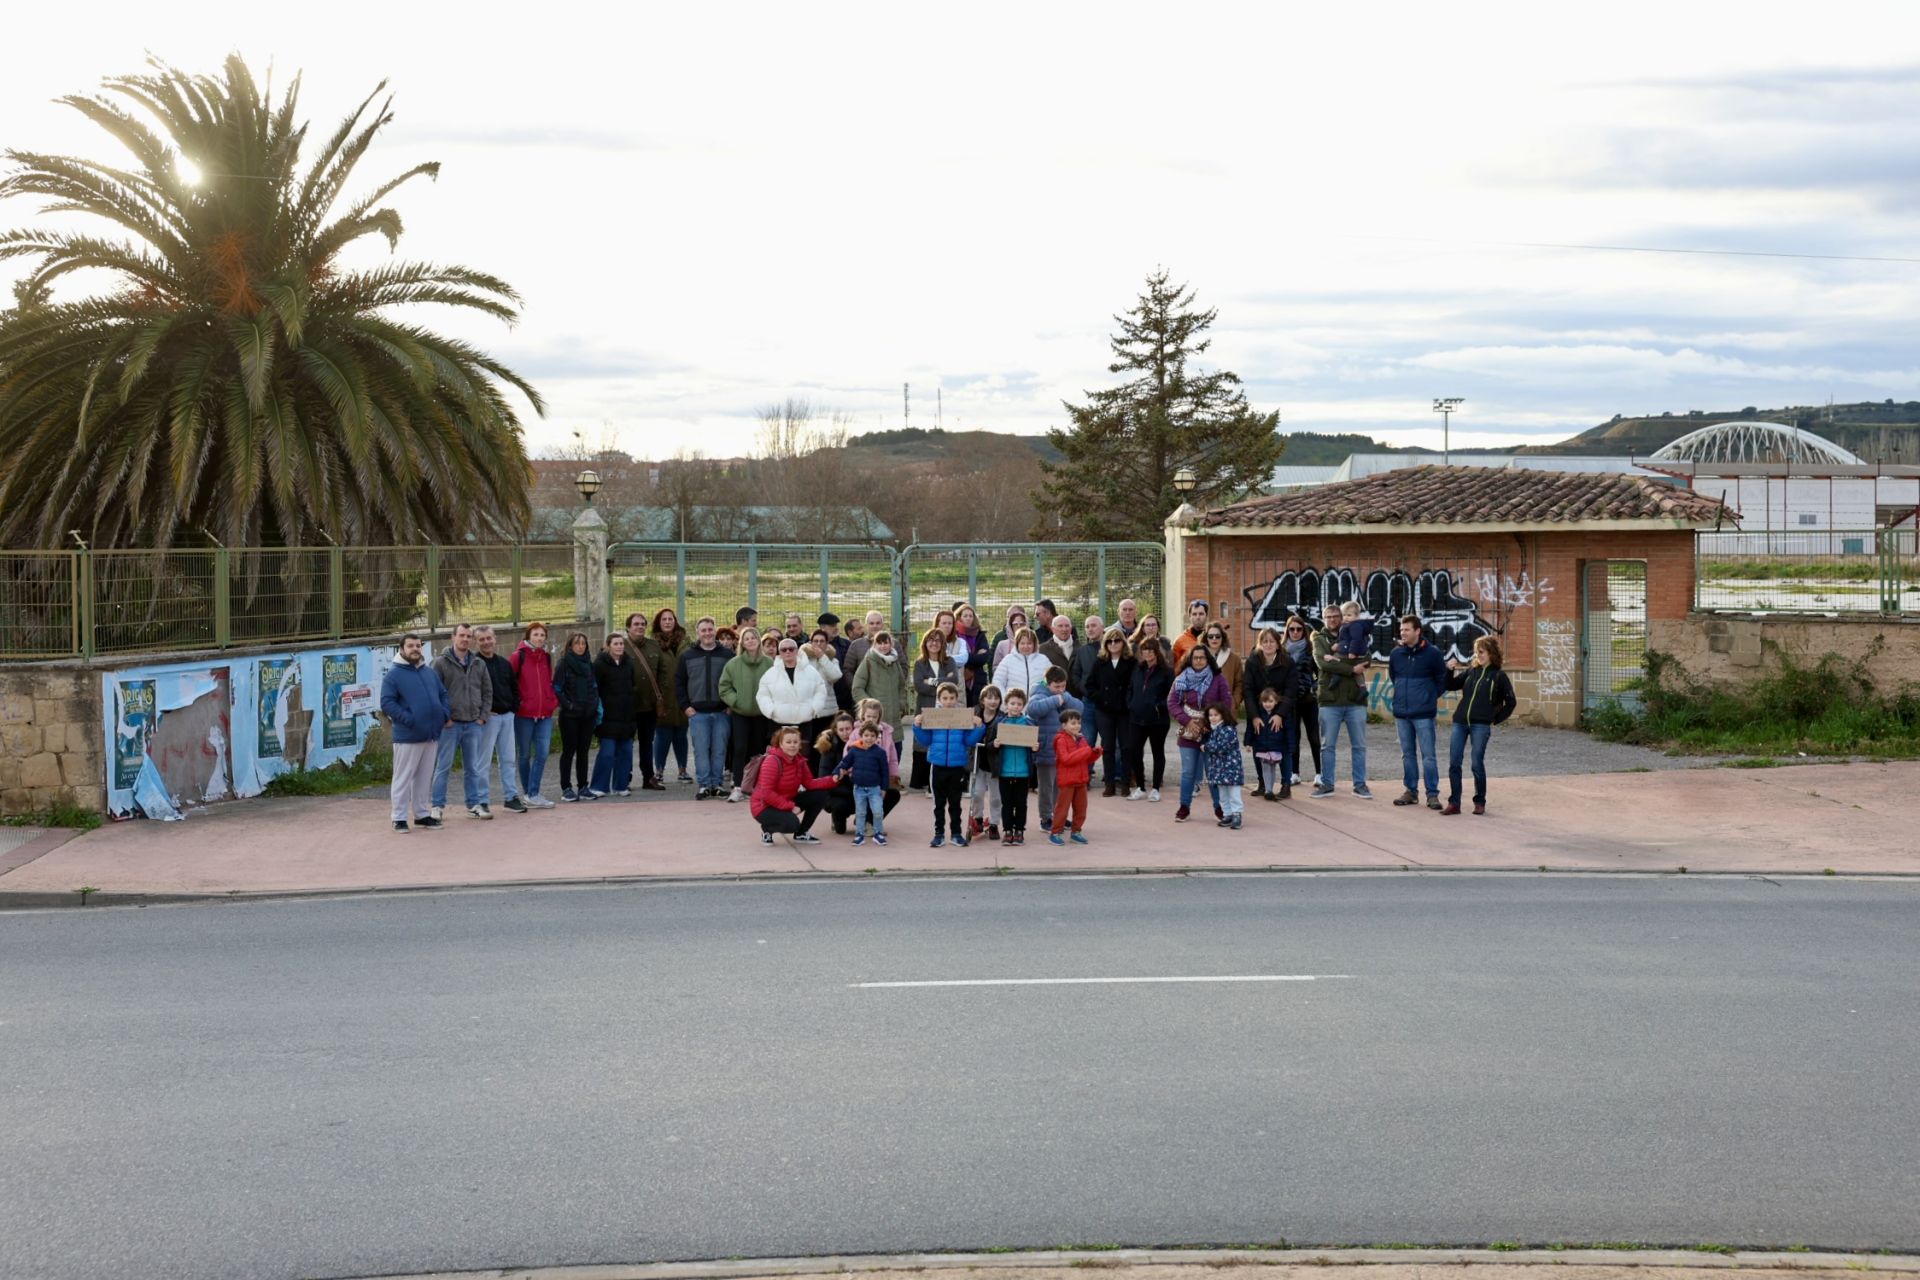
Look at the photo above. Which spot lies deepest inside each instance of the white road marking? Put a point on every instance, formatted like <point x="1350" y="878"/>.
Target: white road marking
<point x="1063" y="982"/>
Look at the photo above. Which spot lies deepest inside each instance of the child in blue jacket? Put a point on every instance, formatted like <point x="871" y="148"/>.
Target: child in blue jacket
<point x="1225" y="776"/>
<point x="948" y="751"/>
<point x="1015" y="766"/>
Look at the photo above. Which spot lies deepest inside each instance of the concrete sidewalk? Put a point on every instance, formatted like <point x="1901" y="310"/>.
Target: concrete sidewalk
<point x="1847" y="818"/>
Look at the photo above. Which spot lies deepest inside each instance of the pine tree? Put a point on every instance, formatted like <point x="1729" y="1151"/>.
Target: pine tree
<point x="1114" y="482"/>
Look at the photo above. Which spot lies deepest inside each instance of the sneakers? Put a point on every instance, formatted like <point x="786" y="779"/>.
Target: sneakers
<point x="806" y="837"/>
<point x="515" y="804"/>
<point x="1406" y="798"/>
<point x="685" y="777"/>
<point x="1296" y="780"/>
<point x="568" y="794"/>
<point x="1077" y="838"/>
<point x="1451" y="811"/>
<point x="1053" y="837"/>
<point x="624" y="791"/>
<point x="1236" y="821"/>
<point x="591" y="794"/>
<point x="858" y="841"/>
<point x="538" y="802"/>
<point x="1321" y="789"/>
<point x="737" y="796"/>
<point x="428" y="824"/>
<point x="438" y="813"/>
<point x="480" y="811"/>
<point x="1154" y="795"/>
<point x="1480" y="806"/>
<point x="766" y="837"/>
<point x="993" y="831"/>
<point x="961" y="842"/>
<point x="401" y="827"/>
<point x="1362" y="792"/>
<point x="1136" y="794"/>
<point x="1182" y="814"/>
<point x="1223" y="821"/>
<point x="937" y="842"/>
<point x="1433" y="802"/>
<point x="879" y="839"/>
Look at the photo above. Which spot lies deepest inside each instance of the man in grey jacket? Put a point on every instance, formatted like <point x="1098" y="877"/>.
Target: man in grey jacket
<point x="470" y="703"/>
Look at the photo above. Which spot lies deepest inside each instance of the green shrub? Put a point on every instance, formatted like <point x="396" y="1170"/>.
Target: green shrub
<point x="61" y="813"/>
<point x="1829" y="708"/>
<point x="373" y="768"/>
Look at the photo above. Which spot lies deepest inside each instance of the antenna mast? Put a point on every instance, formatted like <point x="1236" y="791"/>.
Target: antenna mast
<point x="906" y="401"/>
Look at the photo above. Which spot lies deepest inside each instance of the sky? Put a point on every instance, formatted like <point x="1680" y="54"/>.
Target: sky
<point x="707" y="208"/>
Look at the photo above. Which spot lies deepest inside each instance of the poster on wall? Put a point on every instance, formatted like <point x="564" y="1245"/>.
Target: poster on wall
<point x="277" y="677"/>
<point x="134" y="717"/>
<point x="179" y="735"/>
<point x="337" y="672"/>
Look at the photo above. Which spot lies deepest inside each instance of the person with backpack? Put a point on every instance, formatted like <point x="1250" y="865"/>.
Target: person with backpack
<point x="787" y="798"/>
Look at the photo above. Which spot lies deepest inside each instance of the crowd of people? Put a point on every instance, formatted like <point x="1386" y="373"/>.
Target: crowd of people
<point x="796" y="721"/>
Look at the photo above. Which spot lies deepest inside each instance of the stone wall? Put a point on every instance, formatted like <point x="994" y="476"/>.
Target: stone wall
<point x="50" y="740"/>
<point x="1722" y="649"/>
<point x="52" y="747"/>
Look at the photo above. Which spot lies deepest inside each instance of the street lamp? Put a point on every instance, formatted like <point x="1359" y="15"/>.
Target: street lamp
<point x="1184" y="481"/>
<point x="588" y="483"/>
<point x="1446" y="408"/>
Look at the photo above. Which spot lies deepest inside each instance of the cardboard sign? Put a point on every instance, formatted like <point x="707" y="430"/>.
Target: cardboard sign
<point x="947" y="718"/>
<point x="1019" y="735"/>
<point x="358" y="700"/>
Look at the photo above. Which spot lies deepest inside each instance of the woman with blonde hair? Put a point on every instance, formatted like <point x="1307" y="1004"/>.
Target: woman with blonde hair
<point x="1486" y="699"/>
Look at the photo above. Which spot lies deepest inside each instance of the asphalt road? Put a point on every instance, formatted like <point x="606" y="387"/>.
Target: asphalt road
<point x="474" y="1080"/>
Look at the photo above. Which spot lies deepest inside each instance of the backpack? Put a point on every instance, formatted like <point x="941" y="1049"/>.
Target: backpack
<point x="750" y="776"/>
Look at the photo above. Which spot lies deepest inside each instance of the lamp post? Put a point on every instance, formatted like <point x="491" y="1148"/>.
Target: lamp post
<point x="1445" y="408"/>
<point x="1184" y="482"/>
<point x="588" y="483"/>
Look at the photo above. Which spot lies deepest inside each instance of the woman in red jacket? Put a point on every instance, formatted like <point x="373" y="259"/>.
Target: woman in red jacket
<point x="786" y="795"/>
<point x="532" y="665"/>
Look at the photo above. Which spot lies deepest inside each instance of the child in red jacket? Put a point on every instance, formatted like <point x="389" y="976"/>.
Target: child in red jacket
<point x="1073" y="773"/>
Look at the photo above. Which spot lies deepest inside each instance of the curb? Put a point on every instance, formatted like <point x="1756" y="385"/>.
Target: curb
<point x="741" y="1268"/>
<point x="37" y="899"/>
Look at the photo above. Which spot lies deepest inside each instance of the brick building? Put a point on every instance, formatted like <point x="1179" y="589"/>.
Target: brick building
<point x="1565" y="569"/>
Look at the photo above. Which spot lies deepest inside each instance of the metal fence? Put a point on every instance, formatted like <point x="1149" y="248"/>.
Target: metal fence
<point x="697" y="579"/>
<point x="1080" y="578"/>
<point x="78" y="604"/>
<point x="1815" y="571"/>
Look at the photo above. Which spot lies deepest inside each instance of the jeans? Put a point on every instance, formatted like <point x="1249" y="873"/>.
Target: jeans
<point x="1417" y="758"/>
<point x="1479" y="734"/>
<point x="983" y="797"/>
<point x="1191" y="771"/>
<point x="1232" y="801"/>
<point x="710" y="731"/>
<point x="870" y="806"/>
<point x="613" y="769"/>
<point x="464" y="738"/>
<point x="1354" y="721"/>
<point x="665" y="736"/>
<point x="497" y="735"/>
<point x="532" y="739"/>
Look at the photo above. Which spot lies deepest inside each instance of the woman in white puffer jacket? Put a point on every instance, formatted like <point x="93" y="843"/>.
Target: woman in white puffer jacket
<point x="1025" y="668"/>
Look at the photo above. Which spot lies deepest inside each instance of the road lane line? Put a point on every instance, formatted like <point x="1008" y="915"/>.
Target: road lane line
<point x="1064" y="982"/>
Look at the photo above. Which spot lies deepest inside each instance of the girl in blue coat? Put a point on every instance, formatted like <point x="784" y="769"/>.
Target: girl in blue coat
<point x="1225" y="777"/>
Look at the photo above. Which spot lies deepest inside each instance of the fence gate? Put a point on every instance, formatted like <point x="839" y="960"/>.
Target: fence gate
<point x="697" y="579"/>
<point x="1613" y="631"/>
<point x="1079" y="577"/>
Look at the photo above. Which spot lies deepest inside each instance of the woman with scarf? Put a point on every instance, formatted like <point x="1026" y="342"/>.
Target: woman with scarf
<point x="1271" y="667"/>
<point x="1197" y="687"/>
<point x="970" y="638"/>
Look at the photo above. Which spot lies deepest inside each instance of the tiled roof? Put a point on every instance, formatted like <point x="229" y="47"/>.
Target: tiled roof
<point x="1474" y="495"/>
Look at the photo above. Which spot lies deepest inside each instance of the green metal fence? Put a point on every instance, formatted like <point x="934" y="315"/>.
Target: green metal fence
<point x="1079" y="577"/>
<point x="1816" y="571"/>
<point x="64" y="604"/>
<point x="696" y="579"/>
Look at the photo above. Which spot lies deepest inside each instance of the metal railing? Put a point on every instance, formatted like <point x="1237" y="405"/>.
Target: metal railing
<point x="1810" y="571"/>
<point x="79" y="604"/>
<point x="697" y="579"/>
<point x="1080" y="578"/>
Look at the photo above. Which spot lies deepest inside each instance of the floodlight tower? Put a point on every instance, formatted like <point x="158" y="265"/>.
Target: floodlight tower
<point x="1445" y="408"/>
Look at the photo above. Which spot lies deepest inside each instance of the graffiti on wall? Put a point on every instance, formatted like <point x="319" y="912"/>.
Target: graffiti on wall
<point x="1522" y="592"/>
<point x="1556" y="659"/>
<point x="1453" y="620"/>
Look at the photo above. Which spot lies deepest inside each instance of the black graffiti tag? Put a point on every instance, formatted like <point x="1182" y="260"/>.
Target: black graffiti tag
<point x="1452" y="621"/>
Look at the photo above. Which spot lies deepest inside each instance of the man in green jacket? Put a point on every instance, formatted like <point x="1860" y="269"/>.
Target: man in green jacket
<point x="1343" y="702"/>
<point x="883" y="677"/>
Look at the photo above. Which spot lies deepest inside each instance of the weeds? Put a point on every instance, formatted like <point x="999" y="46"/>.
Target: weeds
<point x="1829" y="708"/>
<point x="373" y="768"/>
<point x="1751" y="762"/>
<point x="61" y="813"/>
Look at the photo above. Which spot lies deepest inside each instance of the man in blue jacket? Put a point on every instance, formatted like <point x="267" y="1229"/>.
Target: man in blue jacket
<point x="1045" y="709"/>
<point x="415" y="704"/>
<point x="1419" y="675"/>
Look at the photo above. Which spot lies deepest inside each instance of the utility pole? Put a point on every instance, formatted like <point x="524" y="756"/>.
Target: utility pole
<point x="939" y="412"/>
<point x="906" y="401"/>
<point x="1446" y="408"/>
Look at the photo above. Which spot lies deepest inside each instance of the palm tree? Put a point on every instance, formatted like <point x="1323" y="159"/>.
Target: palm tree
<point x="236" y="377"/>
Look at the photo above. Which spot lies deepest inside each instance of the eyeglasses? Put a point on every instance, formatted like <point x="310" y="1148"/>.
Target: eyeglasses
<point x="789" y="648"/>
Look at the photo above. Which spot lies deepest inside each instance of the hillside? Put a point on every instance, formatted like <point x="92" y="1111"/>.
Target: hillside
<point x="1883" y="431"/>
<point x="1320" y="449"/>
<point x="911" y="446"/>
